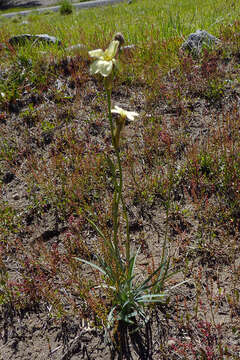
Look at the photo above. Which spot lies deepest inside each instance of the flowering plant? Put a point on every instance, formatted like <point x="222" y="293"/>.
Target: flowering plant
<point x="120" y="122"/>
<point x="117" y="266"/>
<point x="105" y="59"/>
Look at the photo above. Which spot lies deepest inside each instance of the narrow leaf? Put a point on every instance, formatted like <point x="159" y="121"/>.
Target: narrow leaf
<point x="96" y="228"/>
<point x="144" y="285"/>
<point x="92" y="264"/>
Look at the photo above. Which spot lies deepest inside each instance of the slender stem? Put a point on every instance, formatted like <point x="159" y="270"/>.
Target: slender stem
<point x="108" y="91"/>
<point x="127" y="230"/>
<point x="120" y="197"/>
<point x="118" y="186"/>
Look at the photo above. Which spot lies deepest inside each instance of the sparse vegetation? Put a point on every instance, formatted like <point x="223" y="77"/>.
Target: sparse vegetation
<point x="181" y="170"/>
<point x="66" y="7"/>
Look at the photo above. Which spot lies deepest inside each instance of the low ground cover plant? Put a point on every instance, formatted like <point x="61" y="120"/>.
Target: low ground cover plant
<point x="66" y="7"/>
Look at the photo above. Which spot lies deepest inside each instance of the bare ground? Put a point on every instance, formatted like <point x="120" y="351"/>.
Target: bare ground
<point x="177" y="330"/>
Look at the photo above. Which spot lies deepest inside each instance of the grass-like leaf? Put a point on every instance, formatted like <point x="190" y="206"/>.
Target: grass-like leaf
<point x="92" y="265"/>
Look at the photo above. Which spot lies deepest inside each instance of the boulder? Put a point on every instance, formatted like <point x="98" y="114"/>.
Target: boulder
<point x="197" y="40"/>
<point x="6" y="4"/>
<point x="43" y="38"/>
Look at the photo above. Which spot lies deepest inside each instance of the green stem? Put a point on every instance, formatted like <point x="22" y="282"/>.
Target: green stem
<point x="127" y="231"/>
<point x="108" y="91"/>
<point x="120" y="197"/>
<point x="118" y="186"/>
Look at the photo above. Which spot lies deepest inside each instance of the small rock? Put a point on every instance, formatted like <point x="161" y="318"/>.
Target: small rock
<point x="44" y="38"/>
<point x="195" y="41"/>
<point x="16" y="196"/>
<point x="59" y="84"/>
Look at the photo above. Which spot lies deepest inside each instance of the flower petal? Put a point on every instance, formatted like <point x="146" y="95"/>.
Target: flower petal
<point x="131" y="115"/>
<point x="118" y="110"/>
<point x="98" y="53"/>
<point x="111" y="51"/>
<point x="101" y="66"/>
<point x="94" y="67"/>
<point x="114" y="111"/>
<point x="124" y="113"/>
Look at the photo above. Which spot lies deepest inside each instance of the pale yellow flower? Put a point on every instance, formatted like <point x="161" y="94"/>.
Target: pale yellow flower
<point x="105" y="59"/>
<point x="124" y="113"/>
<point x="120" y="122"/>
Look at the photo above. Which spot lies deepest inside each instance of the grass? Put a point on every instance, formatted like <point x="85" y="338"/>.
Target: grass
<point x="180" y="164"/>
<point x="162" y="21"/>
